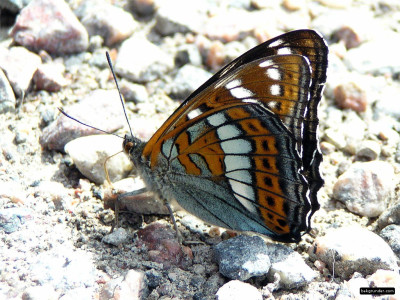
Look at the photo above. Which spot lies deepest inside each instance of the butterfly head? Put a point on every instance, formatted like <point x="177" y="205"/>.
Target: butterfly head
<point x="132" y="146"/>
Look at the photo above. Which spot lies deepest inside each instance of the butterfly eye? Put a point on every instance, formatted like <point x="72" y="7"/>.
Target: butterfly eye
<point x="128" y="144"/>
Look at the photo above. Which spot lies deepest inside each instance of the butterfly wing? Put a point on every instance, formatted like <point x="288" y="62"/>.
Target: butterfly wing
<point x="238" y="167"/>
<point x="233" y="162"/>
<point x="307" y="43"/>
<point x="278" y="84"/>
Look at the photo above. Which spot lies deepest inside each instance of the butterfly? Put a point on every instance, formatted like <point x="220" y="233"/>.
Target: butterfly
<point x="241" y="152"/>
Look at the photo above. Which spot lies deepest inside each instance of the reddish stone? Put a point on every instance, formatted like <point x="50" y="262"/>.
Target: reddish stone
<point x="349" y="36"/>
<point x="164" y="247"/>
<point x="50" y="25"/>
<point x="351" y="96"/>
<point x="215" y="56"/>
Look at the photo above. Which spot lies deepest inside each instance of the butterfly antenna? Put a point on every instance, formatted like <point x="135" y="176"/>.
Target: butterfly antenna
<point x="80" y="122"/>
<point x="119" y="91"/>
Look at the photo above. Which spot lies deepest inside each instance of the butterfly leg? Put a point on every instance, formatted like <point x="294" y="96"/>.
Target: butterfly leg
<point x="119" y="199"/>
<point x="171" y="213"/>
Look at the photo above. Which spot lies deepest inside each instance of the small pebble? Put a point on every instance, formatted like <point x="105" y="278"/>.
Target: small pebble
<point x="7" y="97"/>
<point x="188" y="79"/>
<point x="11" y="219"/>
<point x="242" y="257"/>
<point x="391" y="234"/>
<point x="365" y="188"/>
<point x="143" y="7"/>
<point x="237" y="290"/>
<point x="50" y="77"/>
<point x="130" y="286"/>
<point x="96" y="109"/>
<point x="20" y="65"/>
<point x="118" y="237"/>
<point x="103" y="19"/>
<point x="142" y="61"/>
<point x="164" y="247"/>
<point x="368" y="150"/>
<point x="289" y="267"/>
<point x="351" y="96"/>
<point x="389" y="216"/>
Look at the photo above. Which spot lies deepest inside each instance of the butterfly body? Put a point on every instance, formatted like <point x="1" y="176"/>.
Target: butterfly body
<point x="241" y="152"/>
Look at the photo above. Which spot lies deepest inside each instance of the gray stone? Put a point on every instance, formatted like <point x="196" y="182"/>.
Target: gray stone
<point x="179" y="16"/>
<point x="19" y="65"/>
<point x="368" y="150"/>
<point x="117" y="237"/>
<point x="106" y="20"/>
<point x="389" y="216"/>
<point x="242" y="257"/>
<point x="391" y="234"/>
<point x="7" y="97"/>
<point x="188" y="79"/>
<point x="288" y="268"/>
<point x="134" y="92"/>
<point x="142" y="61"/>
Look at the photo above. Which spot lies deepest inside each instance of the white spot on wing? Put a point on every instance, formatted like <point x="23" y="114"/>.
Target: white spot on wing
<point x="274" y="74"/>
<point x="236" y="146"/>
<point x="276" y="43"/>
<point x="240" y="175"/>
<point x="272" y="104"/>
<point x="285" y="50"/>
<point x="216" y="119"/>
<point x="241" y="92"/>
<point x="237" y="91"/>
<point x="194" y="113"/>
<point x="266" y="63"/>
<point x="245" y="194"/>
<point x="275" y="89"/>
<point x="228" y="131"/>
<point x="235" y="162"/>
<point x="234" y="83"/>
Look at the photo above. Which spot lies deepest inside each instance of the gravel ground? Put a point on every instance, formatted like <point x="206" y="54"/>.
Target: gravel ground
<point x="54" y="232"/>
